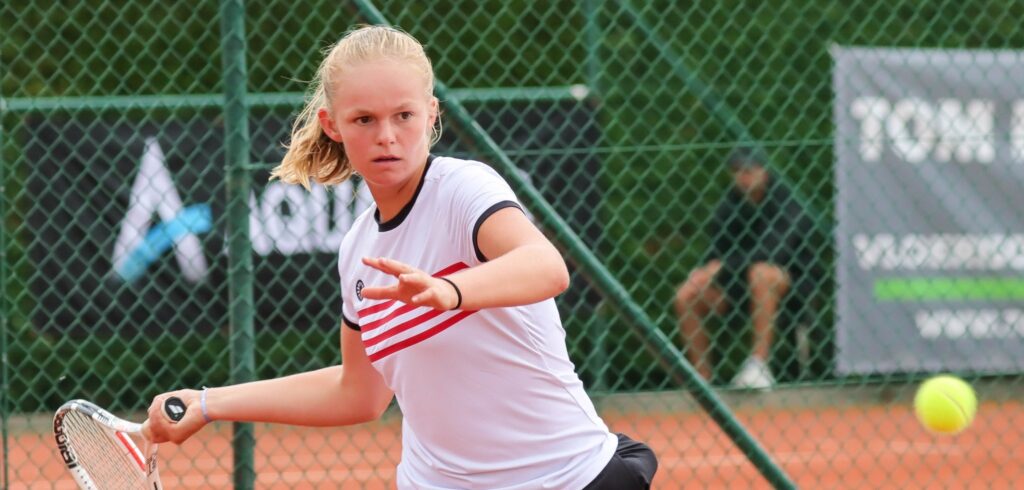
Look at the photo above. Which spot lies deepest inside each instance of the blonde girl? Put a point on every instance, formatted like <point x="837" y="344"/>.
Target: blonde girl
<point x="447" y="301"/>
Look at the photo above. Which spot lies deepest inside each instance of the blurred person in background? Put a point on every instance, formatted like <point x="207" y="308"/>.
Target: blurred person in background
<point x="758" y="252"/>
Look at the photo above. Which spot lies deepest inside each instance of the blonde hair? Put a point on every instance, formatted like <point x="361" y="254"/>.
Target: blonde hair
<point x="311" y="154"/>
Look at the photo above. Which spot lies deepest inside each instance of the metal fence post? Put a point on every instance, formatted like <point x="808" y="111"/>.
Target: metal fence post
<point x="238" y="185"/>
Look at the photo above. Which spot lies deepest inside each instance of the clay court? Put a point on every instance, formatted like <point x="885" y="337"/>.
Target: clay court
<point x="859" y="446"/>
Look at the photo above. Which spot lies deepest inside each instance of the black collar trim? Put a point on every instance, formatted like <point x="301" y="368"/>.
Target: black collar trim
<point x="393" y="223"/>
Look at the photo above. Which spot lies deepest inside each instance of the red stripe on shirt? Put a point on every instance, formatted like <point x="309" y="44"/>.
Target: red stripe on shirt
<point x="420" y="337"/>
<point x="369" y="310"/>
<point x="451" y="269"/>
<point x="401" y="327"/>
<point x="375" y="308"/>
<point x="381" y="321"/>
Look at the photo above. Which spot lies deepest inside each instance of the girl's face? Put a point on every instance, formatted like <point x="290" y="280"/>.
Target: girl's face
<point x="381" y="113"/>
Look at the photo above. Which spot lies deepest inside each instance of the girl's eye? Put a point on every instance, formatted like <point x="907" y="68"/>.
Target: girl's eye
<point x="363" y="120"/>
<point x="405" y="115"/>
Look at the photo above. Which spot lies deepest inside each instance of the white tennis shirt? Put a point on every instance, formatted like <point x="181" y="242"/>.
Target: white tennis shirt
<point x="490" y="398"/>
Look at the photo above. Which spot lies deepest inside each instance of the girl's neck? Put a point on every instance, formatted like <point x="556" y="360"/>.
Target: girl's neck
<point x="390" y="201"/>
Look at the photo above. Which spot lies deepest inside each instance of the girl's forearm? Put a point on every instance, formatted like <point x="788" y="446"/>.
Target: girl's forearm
<point x="525" y="275"/>
<point x="315" y="398"/>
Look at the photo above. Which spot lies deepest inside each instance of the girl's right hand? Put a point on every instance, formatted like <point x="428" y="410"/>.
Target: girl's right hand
<point x="414" y="286"/>
<point x="159" y="428"/>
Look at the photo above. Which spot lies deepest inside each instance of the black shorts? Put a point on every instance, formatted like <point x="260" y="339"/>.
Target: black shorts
<point x="734" y="284"/>
<point x="632" y="467"/>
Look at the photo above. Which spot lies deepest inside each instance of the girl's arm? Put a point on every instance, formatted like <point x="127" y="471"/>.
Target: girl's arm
<point x="523" y="267"/>
<point x="339" y="395"/>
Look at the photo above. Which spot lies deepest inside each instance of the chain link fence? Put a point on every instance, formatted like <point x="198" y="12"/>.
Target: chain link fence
<point x="892" y="134"/>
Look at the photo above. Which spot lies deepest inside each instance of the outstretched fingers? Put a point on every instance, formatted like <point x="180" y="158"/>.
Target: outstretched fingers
<point x="413" y="286"/>
<point x="408" y="286"/>
<point x="388" y="266"/>
<point x="411" y="280"/>
<point x="382" y="292"/>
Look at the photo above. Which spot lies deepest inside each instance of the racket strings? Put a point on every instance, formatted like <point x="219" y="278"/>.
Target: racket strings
<point x="104" y="458"/>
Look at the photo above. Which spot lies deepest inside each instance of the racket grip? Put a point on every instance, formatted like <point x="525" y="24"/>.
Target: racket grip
<point x="175" y="408"/>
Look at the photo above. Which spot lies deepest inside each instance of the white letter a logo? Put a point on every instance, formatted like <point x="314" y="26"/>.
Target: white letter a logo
<point x="138" y="244"/>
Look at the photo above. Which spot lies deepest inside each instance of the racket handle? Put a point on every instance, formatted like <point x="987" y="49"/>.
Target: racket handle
<point x="175" y="408"/>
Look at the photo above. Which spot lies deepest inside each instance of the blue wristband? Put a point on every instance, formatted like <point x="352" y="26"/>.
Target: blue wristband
<point x="202" y="405"/>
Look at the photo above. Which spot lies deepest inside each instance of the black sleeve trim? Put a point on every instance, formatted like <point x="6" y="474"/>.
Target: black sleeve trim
<point x="483" y="217"/>
<point x="350" y="324"/>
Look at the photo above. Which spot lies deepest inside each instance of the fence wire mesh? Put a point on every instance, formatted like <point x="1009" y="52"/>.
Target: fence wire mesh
<point x="891" y="135"/>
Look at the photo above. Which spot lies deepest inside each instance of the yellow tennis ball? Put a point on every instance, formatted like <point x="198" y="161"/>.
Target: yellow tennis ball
<point x="945" y="404"/>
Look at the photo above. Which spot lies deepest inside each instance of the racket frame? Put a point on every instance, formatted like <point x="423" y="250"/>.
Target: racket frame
<point x="121" y="430"/>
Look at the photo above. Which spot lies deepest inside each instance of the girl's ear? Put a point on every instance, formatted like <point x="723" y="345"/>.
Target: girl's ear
<point x="434" y="107"/>
<point x="328" y="125"/>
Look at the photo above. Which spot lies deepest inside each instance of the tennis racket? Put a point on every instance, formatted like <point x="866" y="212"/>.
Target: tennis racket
<point x="99" y="451"/>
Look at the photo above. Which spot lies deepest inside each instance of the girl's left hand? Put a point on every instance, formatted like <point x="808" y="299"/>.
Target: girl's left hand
<point x="414" y="286"/>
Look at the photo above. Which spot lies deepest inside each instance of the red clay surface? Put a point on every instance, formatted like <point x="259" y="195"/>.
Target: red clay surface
<point x="856" y="447"/>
